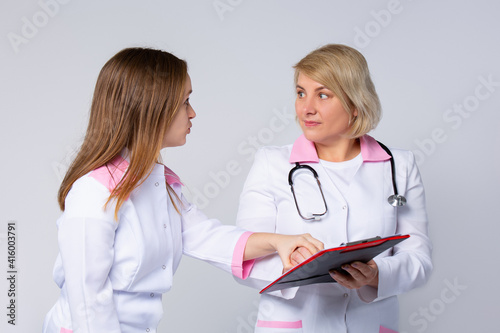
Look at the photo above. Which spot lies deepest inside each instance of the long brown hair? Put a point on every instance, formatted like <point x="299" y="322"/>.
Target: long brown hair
<point x="137" y="94"/>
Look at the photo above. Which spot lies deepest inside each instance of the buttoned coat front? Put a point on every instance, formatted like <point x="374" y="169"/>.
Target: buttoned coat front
<point x="267" y="205"/>
<point x="113" y="272"/>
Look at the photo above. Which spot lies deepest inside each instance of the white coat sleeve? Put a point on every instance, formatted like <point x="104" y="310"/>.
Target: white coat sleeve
<point x="257" y="212"/>
<point x="86" y="246"/>
<point x="410" y="264"/>
<point x="209" y="240"/>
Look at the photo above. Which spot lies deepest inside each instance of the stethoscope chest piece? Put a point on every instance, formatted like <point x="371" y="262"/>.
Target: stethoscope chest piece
<point x="397" y="200"/>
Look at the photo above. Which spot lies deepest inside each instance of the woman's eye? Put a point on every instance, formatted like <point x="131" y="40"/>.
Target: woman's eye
<point x="187" y="101"/>
<point x="300" y="94"/>
<point x="323" y="96"/>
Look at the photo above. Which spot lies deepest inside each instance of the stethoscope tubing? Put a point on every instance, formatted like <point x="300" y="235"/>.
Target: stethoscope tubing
<point x="313" y="216"/>
<point x="394" y="200"/>
<point x="393" y="167"/>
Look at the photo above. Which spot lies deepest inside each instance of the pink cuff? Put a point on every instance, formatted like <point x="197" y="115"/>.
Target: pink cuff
<point x="386" y="330"/>
<point x="279" y="324"/>
<point x="241" y="269"/>
<point x="65" y="330"/>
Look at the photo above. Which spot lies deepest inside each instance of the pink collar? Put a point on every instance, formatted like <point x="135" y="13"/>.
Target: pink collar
<point x="111" y="173"/>
<point x="304" y="151"/>
<point x="171" y="177"/>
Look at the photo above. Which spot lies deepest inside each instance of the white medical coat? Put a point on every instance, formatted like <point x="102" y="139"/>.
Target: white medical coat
<point x="267" y="205"/>
<point x="112" y="274"/>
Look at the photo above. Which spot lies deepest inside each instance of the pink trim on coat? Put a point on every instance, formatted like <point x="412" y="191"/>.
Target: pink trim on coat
<point x="279" y="324"/>
<point x="110" y="174"/>
<point x="304" y="151"/>
<point x="386" y="330"/>
<point x="240" y="268"/>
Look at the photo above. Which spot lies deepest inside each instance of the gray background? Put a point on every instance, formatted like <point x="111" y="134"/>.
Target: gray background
<point x="429" y="61"/>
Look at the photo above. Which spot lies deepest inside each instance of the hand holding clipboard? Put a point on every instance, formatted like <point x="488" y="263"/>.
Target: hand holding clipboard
<point x="316" y="268"/>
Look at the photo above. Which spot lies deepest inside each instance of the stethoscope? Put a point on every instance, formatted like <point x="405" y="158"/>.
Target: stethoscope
<point x="395" y="200"/>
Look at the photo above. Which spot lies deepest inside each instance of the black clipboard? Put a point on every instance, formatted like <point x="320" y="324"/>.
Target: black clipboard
<point x="315" y="269"/>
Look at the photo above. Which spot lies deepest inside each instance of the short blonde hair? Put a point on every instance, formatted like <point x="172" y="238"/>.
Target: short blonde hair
<point x="344" y="71"/>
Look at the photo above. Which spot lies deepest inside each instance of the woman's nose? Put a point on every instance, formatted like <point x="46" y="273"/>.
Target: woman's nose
<point x="308" y="106"/>
<point x="191" y="113"/>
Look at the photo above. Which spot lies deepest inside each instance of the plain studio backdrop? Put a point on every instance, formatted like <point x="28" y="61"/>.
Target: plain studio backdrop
<point x="435" y="67"/>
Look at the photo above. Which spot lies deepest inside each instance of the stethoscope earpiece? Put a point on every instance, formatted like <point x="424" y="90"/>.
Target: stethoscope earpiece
<point x="313" y="217"/>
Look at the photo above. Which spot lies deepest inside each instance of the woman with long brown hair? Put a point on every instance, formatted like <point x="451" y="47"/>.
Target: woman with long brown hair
<point x="125" y="222"/>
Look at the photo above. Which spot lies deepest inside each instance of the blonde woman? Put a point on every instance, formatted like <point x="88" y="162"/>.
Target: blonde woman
<point x="126" y="223"/>
<point x="336" y="106"/>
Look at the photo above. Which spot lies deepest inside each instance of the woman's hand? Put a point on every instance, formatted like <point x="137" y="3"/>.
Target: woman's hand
<point x="300" y="255"/>
<point x="292" y="249"/>
<point x="358" y="275"/>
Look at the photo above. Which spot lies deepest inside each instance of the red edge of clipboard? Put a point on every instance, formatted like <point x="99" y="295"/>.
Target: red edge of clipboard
<point x="348" y="248"/>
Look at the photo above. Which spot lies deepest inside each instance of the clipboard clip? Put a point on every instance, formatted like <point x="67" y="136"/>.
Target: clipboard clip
<point x="362" y="241"/>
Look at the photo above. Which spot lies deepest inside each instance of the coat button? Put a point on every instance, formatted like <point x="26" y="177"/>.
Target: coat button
<point x="346" y="295"/>
<point x="147" y="329"/>
<point x="164" y="267"/>
<point x="165" y="226"/>
<point x="152" y="295"/>
<point x="344" y="207"/>
<point x="157" y="184"/>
